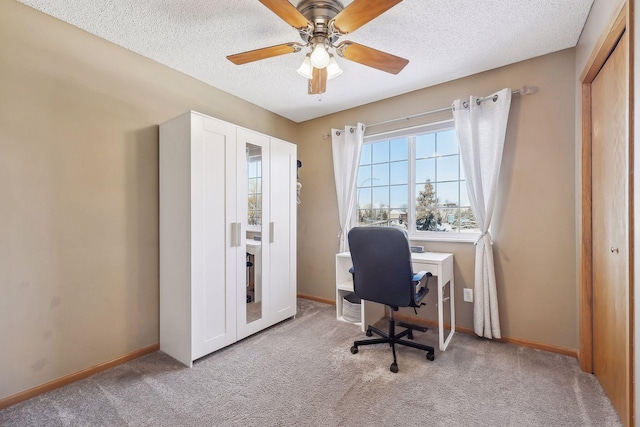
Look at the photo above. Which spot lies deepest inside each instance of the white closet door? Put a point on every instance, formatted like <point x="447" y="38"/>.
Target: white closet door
<point x="282" y="208"/>
<point x="214" y="258"/>
<point x="253" y="162"/>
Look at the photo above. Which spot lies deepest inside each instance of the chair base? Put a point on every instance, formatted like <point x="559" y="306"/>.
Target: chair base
<point x="392" y="339"/>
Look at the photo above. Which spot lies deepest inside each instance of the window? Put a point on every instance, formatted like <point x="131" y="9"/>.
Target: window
<point x="414" y="179"/>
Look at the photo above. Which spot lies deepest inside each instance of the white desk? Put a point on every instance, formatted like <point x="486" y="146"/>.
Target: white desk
<point x="440" y="265"/>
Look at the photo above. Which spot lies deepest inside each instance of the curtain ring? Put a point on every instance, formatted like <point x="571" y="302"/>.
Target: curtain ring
<point x="337" y="133"/>
<point x="478" y="101"/>
<point x="351" y="130"/>
<point x="495" y="98"/>
<point x="465" y="104"/>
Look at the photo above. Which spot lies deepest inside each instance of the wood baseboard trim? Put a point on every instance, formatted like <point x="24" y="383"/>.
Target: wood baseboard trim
<point x="317" y="299"/>
<point x="540" y="346"/>
<point x="67" y="379"/>
<point x="517" y="341"/>
<point x="433" y="324"/>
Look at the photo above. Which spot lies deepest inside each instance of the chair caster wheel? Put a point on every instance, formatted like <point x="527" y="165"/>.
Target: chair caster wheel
<point x="394" y="368"/>
<point x="354" y="349"/>
<point x="431" y="356"/>
<point x="369" y="333"/>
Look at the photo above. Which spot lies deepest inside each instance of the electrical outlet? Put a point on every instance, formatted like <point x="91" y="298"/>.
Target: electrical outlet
<point x="468" y="294"/>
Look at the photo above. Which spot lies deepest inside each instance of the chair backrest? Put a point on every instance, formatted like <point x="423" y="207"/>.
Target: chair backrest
<point x="382" y="270"/>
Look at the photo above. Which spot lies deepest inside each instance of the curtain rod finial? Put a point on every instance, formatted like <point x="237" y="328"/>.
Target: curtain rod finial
<point x="528" y="90"/>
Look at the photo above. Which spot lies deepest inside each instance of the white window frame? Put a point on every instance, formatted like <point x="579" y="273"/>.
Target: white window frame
<point x="414" y="234"/>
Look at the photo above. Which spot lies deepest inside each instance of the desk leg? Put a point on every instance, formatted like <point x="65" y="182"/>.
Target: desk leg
<point x="442" y="341"/>
<point x="453" y="314"/>
<point x="440" y="315"/>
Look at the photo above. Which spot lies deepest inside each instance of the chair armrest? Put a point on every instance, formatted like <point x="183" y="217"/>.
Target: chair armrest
<point x="419" y="276"/>
<point x="421" y="289"/>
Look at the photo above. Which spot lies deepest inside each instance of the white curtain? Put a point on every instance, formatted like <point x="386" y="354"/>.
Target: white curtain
<point x="346" y="146"/>
<point x="481" y="128"/>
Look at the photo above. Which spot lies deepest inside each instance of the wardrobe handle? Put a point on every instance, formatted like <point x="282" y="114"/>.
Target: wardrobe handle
<point x="236" y="234"/>
<point x="271" y="228"/>
<point x="233" y="234"/>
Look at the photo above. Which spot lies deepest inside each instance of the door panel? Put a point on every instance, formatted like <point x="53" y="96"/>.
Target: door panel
<point x="212" y="259"/>
<point x="252" y="314"/>
<point x="282" y="191"/>
<point x="610" y="230"/>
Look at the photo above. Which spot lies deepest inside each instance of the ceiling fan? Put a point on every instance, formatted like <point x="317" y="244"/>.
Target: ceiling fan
<point x="320" y="24"/>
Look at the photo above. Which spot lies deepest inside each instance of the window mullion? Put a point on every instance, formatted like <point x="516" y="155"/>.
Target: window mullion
<point x="411" y="217"/>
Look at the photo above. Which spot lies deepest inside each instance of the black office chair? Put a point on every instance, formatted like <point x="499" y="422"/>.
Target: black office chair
<point x="382" y="273"/>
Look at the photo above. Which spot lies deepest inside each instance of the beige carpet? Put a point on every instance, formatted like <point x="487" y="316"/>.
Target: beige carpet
<point x="301" y="373"/>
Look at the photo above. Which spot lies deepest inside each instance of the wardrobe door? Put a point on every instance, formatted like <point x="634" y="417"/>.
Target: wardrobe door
<point x="282" y="227"/>
<point x="214" y="243"/>
<point x="252" y="292"/>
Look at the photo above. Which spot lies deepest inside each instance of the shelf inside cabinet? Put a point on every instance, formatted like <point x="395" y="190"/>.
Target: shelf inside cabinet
<point x="345" y="286"/>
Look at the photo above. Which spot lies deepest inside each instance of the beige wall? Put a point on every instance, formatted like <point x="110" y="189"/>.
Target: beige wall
<point x="79" y="193"/>
<point x="534" y="225"/>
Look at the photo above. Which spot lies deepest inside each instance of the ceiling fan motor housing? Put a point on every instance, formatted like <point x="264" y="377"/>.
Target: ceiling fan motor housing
<point x="319" y="13"/>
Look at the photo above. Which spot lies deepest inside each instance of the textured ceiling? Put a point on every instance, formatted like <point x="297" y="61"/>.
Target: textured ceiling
<point x="443" y="40"/>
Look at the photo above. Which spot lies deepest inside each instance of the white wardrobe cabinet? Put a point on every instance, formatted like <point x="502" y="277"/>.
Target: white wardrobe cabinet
<point x="227" y="234"/>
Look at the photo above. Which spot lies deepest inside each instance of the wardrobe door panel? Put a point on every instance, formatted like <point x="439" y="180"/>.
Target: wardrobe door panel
<point x="252" y="199"/>
<point x="282" y="208"/>
<point x="213" y="259"/>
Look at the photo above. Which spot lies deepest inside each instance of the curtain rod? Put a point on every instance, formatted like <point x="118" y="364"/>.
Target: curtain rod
<point x="524" y="91"/>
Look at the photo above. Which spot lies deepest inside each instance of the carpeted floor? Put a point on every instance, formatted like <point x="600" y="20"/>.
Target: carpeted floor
<point x="301" y="373"/>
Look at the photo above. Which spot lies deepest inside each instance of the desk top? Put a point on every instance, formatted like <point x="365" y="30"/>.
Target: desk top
<point x="421" y="256"/>
<point x="431" y="256"/>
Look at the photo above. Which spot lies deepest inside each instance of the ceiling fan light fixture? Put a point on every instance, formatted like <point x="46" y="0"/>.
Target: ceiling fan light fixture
<point x="306" y="69"/>
<point x="320" y="57"/>
<point x="333" y="69"/>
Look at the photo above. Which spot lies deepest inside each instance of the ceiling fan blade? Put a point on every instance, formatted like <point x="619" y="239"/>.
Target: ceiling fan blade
<point x="318" y="84"/>
<point x="371" y="57"/>
<point x="264" y="53"/>
<point x="287" y="12"/>
<point x="360" y="12"/>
